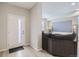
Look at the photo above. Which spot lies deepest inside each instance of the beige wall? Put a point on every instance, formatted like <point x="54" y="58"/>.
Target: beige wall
<point x="3" y="31"/>
<point x="6" y="9"/>
<point x="35" y="16"/>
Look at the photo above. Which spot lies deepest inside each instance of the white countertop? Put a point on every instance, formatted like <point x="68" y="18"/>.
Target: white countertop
<point x="63" y="33"/>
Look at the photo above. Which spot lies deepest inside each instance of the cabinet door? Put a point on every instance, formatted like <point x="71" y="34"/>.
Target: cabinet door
<point x="51" y="45"/>
<point x="64" y="48"/>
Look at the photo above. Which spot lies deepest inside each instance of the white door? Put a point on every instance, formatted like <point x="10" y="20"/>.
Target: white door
<point x="15" y="30"/>
<point x="21" y="30"/>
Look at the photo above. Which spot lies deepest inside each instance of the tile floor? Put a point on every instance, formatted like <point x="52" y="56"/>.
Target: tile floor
<point x="27" y="52"/>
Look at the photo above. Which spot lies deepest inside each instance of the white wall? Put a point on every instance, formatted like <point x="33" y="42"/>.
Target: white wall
<point x="3" y="31"/>
<point x="6" y="9"/>
<point x="35" y="16"/>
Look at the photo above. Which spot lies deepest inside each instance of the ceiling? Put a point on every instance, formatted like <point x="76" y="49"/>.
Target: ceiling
<point x="52" y="10"/>
<point x="27" y="5"/>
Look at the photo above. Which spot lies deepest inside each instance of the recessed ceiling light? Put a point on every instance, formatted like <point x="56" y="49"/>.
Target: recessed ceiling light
<point x="73" y="4"/>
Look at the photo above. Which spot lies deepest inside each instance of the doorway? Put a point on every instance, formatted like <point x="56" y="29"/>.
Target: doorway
<point x="16" y="28"/>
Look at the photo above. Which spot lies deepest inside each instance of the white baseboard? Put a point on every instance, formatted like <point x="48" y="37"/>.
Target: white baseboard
<point x="27" y="44"/>
<point x="2" y="50"/>
<point x="37" y="49"/>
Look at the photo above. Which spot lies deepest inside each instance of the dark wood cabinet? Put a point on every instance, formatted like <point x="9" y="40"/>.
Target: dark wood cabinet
<point x="45" y="41"/>
<point x="59" y="47"/>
